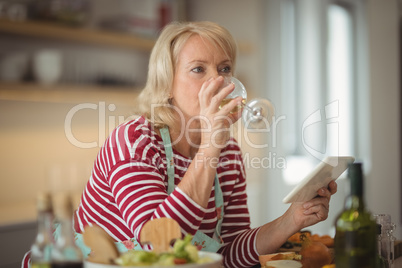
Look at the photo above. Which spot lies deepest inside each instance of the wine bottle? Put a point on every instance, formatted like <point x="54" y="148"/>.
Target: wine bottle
<point x="42" y="247"/>
<point x="356" y="230"/>
<point x="65" y="253"/>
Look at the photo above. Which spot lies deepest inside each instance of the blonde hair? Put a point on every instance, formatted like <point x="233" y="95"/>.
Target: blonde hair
<point x="154" y="101"/>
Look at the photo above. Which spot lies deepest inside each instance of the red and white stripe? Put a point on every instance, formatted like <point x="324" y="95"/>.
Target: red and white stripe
<point x="128" y="187"/>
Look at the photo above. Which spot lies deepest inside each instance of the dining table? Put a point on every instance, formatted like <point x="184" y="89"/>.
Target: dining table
<point x="397" y="263"/>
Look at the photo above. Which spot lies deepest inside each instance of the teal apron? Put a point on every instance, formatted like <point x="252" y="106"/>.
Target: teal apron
<point x="204" y="242"/>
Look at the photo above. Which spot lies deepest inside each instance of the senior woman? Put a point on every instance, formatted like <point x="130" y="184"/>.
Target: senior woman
<point x="178" y="160"/>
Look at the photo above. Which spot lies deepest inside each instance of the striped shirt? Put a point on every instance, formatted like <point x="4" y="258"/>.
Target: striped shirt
<point x="128" y="187"/>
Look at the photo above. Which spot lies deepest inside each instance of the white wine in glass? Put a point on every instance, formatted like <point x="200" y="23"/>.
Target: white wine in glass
<point x="257" y="113"/>
<point x="236" y="109"/>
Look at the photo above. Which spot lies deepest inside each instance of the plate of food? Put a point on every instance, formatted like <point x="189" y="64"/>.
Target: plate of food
<point x="307" y="250"/>
<point x="205" y="260"/>
<point x="160" y="233"/>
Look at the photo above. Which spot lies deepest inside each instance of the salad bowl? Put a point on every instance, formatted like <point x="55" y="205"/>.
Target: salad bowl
<point x="215" y="263"/>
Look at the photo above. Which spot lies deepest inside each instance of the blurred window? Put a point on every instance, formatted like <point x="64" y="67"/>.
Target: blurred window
<point x="318" y="83"/>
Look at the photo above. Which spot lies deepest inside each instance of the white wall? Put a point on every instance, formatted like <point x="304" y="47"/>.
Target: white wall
<point x="384" y="178"/>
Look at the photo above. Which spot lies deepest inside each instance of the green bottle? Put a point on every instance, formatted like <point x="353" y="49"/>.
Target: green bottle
<point x="42" y="247"/>
<point x="356" y="230"/>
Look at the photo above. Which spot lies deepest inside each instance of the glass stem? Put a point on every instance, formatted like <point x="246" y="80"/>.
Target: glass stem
<point x="247" y="107"/>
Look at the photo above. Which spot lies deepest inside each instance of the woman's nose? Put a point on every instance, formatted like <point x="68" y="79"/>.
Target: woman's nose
<point x="213" y="75"/>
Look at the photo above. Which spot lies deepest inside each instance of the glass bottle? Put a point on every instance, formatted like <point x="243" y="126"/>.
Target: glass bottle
<point x="386" y="239"/>
<point x="65" y="252"/>
<point x="356" y="230"/>
<point x="42" y="247"/>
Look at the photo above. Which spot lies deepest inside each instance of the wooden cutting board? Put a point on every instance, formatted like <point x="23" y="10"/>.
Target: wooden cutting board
<point x="103" y="249"/>
<point x="160" y="233"/>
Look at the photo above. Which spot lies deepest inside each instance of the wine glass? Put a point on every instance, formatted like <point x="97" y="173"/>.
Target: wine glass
<point x="257" y="113"/>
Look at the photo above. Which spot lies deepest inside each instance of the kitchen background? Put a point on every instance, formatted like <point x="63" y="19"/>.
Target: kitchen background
<point x="70" y="71"/>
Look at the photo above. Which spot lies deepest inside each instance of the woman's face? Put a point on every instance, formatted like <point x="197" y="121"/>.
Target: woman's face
<point x="198" y="61"/>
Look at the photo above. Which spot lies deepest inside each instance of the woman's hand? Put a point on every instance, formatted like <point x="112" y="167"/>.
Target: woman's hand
<point x="214" y="120"/>
<point x="214" y="123"/>
<point x="299" y="215"/>
<point x="315" y="210"/>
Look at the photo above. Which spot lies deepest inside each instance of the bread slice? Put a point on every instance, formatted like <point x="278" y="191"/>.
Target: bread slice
<point x="279" y="256"/>
<point x="283" y="264"/>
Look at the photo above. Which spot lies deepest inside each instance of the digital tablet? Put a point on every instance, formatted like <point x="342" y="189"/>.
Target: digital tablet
<point x="329" y="169"/>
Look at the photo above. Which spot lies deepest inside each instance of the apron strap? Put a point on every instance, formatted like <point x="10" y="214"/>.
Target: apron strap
<point x="218" y="191"/>
<point x="170" y="168"/>
<point x="169" y="158"/>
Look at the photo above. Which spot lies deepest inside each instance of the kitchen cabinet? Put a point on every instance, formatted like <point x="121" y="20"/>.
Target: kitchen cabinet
<point x="79" y="36"/>
<point x="82" y="35"/>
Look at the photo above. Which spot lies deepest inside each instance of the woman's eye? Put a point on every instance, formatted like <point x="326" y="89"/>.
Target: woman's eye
<point x="226" y="69"/>
<point x="197" y="69"/>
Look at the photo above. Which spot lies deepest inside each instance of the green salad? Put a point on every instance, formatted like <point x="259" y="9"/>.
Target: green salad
<point x="183" y="252"/>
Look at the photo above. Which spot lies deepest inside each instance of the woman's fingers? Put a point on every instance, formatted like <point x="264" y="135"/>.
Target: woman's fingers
<point x="319" y="207"/>
<point x="320" y="212"/>
<point x="318" y="201"/>
<point x="324" y="192"/>
<point x="333" y="187"/>
<point x="212" y="93"/>
<point x="328" y="192"/>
